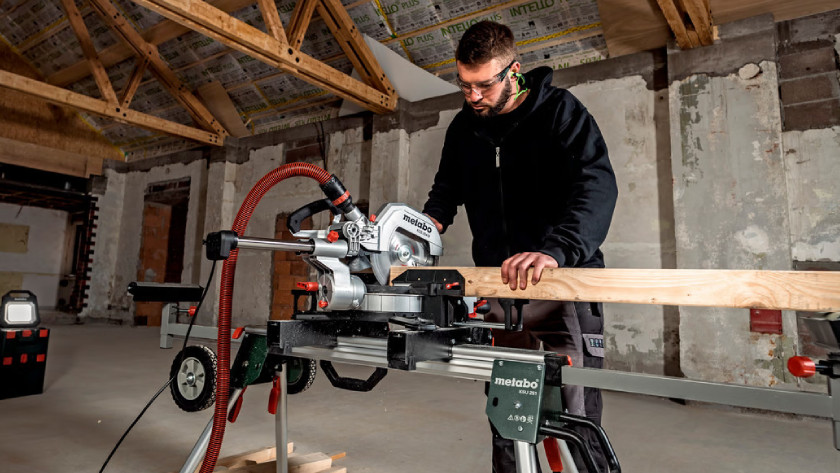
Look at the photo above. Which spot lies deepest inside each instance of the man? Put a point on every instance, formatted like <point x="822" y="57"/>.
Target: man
<point x="528" y="163"/>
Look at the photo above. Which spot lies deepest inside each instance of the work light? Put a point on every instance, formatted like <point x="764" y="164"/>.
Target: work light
<point x="19" y="309"/>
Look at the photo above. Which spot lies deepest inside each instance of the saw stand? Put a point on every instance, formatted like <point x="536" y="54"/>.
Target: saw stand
<point x="523" y="399"/>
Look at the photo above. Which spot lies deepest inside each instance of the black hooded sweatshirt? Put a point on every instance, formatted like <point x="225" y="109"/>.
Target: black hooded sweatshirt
<point x="535" y="179"/>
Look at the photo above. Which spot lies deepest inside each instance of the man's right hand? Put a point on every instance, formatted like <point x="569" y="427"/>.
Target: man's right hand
<point x="437" y="224"/>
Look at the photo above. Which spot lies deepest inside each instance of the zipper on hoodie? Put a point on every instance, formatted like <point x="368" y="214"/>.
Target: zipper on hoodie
<point x="502" y="202"/>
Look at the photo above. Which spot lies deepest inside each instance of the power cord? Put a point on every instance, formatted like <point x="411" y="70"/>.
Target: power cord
<point x="168" y="382"/>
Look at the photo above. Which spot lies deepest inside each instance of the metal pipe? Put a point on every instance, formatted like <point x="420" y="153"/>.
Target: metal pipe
<point x="251" y="243"/>
<point x="526" y="457"/>
<point x="280" y="423"/>
<point x="197" y="453"/>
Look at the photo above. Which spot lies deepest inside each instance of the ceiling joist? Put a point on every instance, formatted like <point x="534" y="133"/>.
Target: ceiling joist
<point x="301" y="16"/>
<point x="690" y="21"/>
<point x="59" y="96"/>
<point x="133" y="82"/>
<point x="89" y="51"/>
<point x="236" y="34"/>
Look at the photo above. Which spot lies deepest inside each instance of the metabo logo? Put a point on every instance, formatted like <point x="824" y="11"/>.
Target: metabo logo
<point x="517" y="383"/>
<point x="418" y="223"/>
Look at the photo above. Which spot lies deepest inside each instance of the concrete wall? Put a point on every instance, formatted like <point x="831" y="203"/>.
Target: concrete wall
<point x="39" y="268"/>
<point x="711" y="175"/>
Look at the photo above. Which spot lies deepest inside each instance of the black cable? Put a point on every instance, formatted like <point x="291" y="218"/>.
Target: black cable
<point x="168" y="382"/>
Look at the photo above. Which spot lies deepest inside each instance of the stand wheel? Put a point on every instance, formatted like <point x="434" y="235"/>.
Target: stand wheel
<point x="300" y="374"/>
<point x="193" y="385"/>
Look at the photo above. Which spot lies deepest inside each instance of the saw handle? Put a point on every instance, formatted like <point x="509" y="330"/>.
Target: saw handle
<point x="297" y="217"/>
<point x="507" y="306"/>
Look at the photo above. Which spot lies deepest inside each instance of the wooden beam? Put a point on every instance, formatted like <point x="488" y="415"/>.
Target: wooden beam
<point x="218" y="101"/>
<point x="95" y="65"/>
<point x="50" y="159"/>
<point x="133" y="82"/>
<point x="701" y="18"/>
<point x="817" y="291"/>
<point x="301" y="16"/>
<point x="142" y="49"/>
<point x="238" y="35"/>
<point x="119" y="52"/>
<point x="675" y="21"/>
<point x="59" y="96"/>
<point x="351" y="42"/>
<point x="272" y="20"/>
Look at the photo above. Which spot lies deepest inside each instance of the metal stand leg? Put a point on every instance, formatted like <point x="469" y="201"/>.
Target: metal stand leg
<point x="280" y="425"/>
<point x="834" y="392"/>
<point x="526" y="457"/>
<point x="566" y="456"/>
<point x="197" y="453"/>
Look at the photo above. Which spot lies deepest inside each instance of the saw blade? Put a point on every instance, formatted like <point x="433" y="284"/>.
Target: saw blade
<point x="403" y="250"/>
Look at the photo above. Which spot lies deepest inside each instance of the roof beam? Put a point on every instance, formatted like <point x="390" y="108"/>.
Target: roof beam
<point x="94" y="64"/>
<point x="238" y="35"/>
<point x="701" y="17"/>
<point x="59" y="96"/>
<point x="148" y="52"/>
<point x="673" y="15"/>
<point x="344" y="29"/>
<point x="272" y="19"/>
<point x="301" y="16"/>
<point x="133" y="82"/>
<point x="158" y="34"/>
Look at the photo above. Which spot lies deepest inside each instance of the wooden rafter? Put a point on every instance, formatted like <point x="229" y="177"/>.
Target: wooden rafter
<point x="690" y="20"/>
<point x="95" y="65"/>
<point x="344" y="29"/>
<point x="116" y="53"/>
<point x="701" y="17"/>
<point x="272" y="19"/>
<point x="301" y="16"/>
<point x="133" y="82"/>
<point x="143" y="49"/>
<point x="238" y="35"/>
<point x="59" y="96"/>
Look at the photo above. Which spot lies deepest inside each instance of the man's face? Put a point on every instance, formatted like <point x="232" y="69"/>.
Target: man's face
<point x="487" y="95"/>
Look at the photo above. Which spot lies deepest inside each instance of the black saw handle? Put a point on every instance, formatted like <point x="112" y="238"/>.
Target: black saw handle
<point x="297" y="217"/>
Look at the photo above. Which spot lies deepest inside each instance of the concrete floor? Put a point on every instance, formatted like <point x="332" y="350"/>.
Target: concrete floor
<point x="99" y="377"/>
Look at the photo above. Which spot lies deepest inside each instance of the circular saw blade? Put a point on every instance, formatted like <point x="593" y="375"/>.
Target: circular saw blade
<point x="403" y="250"/>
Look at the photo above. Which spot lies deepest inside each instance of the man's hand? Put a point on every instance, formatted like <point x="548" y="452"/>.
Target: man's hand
<point x="437" y="224"/>
<point x="516" y="268"/>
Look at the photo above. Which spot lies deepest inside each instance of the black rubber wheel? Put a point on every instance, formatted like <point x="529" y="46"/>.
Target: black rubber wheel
<point x="193" y="385"/>
<point x="300" y="374"/>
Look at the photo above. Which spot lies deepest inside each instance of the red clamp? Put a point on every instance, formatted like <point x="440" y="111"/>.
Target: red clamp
<point x="332" y="236"/>
<point x="238" y="333"/>
<point x="552" y="454"/>
<point x="309" y="286"/>
<point x="192" y="310"/>
<point x="234" y="413"/>
<point x="474" y="313"/>
<point x="323" y="304"/>
<point x="274" y="395"/>
<point x="372" y="218"/>
<point x="452" y="284"/>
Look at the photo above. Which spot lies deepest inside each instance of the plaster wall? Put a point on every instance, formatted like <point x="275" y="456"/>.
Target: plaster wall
<point x="107" y="247"/>
<point x="41" y="265"/>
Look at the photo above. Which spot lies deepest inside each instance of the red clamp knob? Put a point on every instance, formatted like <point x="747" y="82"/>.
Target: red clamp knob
<point x="332" y="236"/>
<point x="238" y="333"/>
<point x="452" y="284"/>
<point x="802" y="366"/>
<point x="309" y="286"/>
<point x="323" y="304"/>
<point x="372" y="218"/>
<point x="192" y="310"/>
<point x="274" y="395"/>
<point x="234" y="413"/>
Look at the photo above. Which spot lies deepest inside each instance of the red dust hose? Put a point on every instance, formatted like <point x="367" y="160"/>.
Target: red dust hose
<point x="226" y="295"/>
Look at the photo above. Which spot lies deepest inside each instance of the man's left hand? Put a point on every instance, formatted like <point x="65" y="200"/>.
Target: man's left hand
<point x="516" y="267"/>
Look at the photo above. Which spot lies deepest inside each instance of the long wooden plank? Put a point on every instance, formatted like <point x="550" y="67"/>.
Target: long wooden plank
<point x="100" y="76"/>
<point x="701" y="18"/>
<point x="238" y="35"/>
<point x="133" y="82"/>
<point x="59" y="96"/>
<point x="116" y="53"/>
<point x="142" y="49"/>
<point x="817" y="291"/>
<point x="219" y="102"/>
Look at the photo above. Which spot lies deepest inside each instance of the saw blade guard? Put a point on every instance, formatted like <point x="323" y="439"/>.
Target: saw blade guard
<point x="406" y="238"/>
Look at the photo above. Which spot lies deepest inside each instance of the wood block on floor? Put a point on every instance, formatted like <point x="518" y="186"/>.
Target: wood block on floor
<point x="309" y="463"/>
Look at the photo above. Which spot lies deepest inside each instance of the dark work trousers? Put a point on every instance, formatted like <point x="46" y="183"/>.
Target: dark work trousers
<point x="574" y="329"/>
